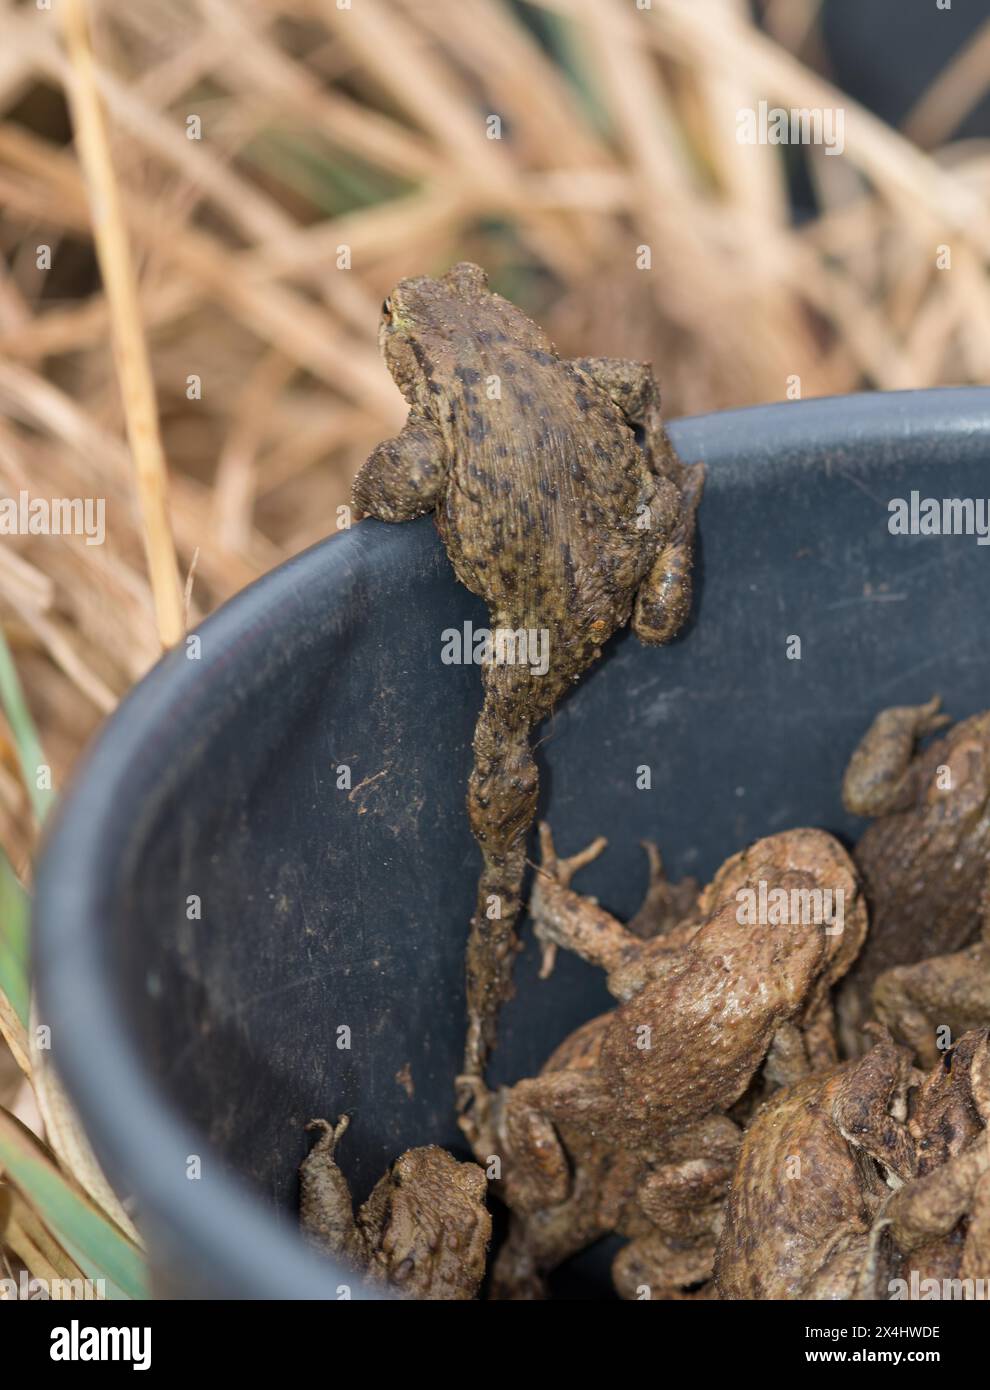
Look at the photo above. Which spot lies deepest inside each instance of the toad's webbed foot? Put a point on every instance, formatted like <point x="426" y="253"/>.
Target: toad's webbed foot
<point x="665" y="904"/>
<point x="564" y="869"/>
<point x="562" y="917"/>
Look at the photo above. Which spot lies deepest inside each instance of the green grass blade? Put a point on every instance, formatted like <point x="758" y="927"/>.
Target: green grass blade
<point x="14" y="941"/>
<point x="15" y="988"/>
<point x="29" y="752"/>
<point x="99" y="1249"/>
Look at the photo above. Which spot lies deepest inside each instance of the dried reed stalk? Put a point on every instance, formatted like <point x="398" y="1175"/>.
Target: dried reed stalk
<point x="137" y="385"/>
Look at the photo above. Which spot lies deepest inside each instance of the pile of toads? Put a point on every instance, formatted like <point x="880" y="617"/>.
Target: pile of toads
<point x="791" y="1096"/>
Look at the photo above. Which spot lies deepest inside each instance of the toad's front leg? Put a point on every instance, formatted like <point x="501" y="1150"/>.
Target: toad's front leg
<point x="870" y="1106"/>
<point x="402" y="478"/>
<point x="931" y="1206"/>
<point x="562" y="917"/>
<point x="684" y="1200"/>
<point x="877" y="780"/>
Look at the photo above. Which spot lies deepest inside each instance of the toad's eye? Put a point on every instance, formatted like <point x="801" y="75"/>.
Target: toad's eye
<point x="387" y="308"/>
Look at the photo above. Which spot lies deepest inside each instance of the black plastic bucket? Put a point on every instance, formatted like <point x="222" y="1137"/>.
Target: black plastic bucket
<point x="325" y="907"/>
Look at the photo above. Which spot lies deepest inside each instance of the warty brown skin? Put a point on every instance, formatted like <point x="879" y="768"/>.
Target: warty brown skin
<point x="423" y="1232"/>
<point x="711" y="998"/>
<point x="810" y="1180"/>
<point x="923" y="860"/>
<point x="862" y="1175"/>
<point x="940" y="1222"/>
<point x="552" y="513"/>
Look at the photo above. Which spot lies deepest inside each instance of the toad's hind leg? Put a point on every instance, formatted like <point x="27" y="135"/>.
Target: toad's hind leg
<point x="664" y="598"/>
<point x="654" y="1267"/>
<point x="402" y="477"/>
<point x="325" y="1209"/>
<point x="538" y="1242"/>
<point x="536" y="1170"/>
<point x="502" y="796"/>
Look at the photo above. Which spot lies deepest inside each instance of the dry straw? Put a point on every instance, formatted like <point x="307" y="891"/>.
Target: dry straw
<point x="120" y="287"/>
